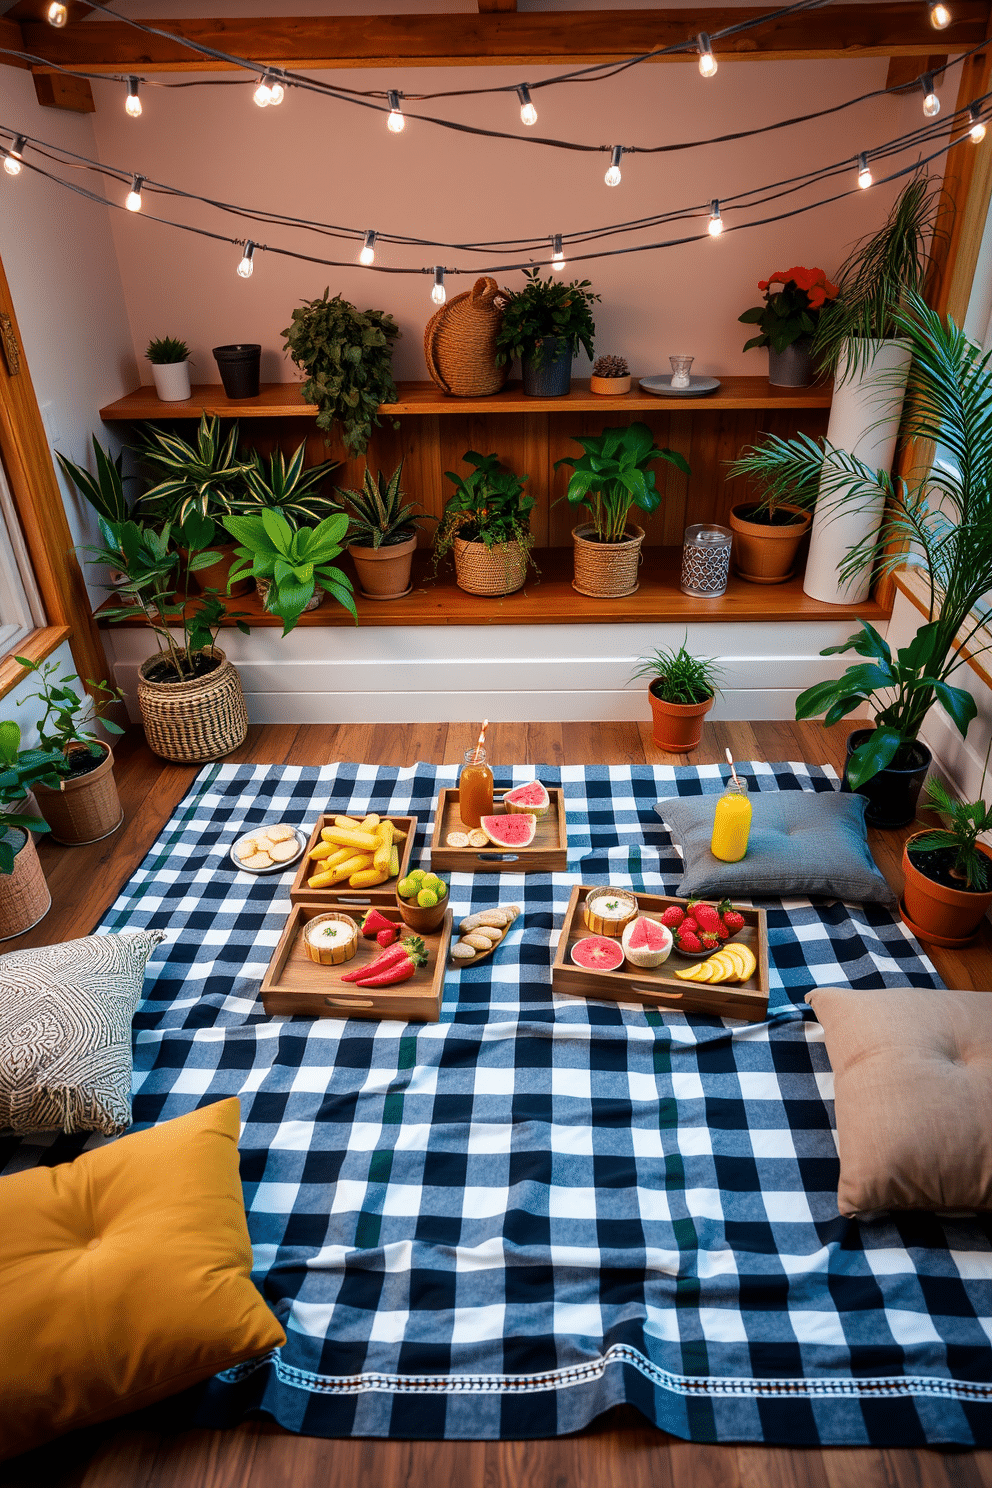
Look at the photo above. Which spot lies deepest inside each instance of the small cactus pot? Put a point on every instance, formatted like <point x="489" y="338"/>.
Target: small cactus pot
<point x="610" y="387"/>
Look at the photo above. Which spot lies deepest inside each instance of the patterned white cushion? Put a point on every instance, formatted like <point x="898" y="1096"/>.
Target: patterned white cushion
<point x="65" y="1032"/>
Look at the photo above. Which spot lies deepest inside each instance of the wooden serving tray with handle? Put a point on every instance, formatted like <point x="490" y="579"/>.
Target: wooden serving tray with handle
<point x="659" y="987"/>
<point x="338" y="896"/>
<point x="295" y="984"/>
<point x="548" y="853"/>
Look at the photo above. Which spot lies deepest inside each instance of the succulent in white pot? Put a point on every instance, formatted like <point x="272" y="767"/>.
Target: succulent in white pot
<point x="170" y="368"/>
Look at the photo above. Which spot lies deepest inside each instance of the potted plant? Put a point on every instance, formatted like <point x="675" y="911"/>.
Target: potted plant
<point x="787" y="322"/>
<point x="382" y="537"/>
<point x="544" y="324"/>
<point x="24" y="895"/>
<point x="291" y="560"/>
<point x="288" y="486"/>
<point x="347" y="356"/>
<point x="681" y="692"/>
<point x="611" y="478"/>
<point x="610" y="376"/>
<point x="487" y="525"/>
<point x="170" y="368"/>
<point x="948" y="872"/>
<point x="190" y="696"/>
<point x="83" y="805"/>
<point x="105" y="490"/>
<point x="767" y="534"/>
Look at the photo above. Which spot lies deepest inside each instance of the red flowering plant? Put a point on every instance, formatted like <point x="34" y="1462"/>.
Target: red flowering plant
<point x="793" y="301"/>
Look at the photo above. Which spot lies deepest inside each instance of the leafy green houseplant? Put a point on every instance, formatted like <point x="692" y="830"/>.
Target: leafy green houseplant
<point x="787" y="321"/>
<point x="544" y="324"/>
<point x="291" y="560"/>
<point x="486" y="524"/>
<point x="24" y="896"/>
<point x="347" y="357"/>
<point x="288" y="486"/>
<point x="383" y="534"/>
<point x="948" y="872"/>
<point x="681" y="692"/>
<point x="169" y="358"/>
<point x="105" y="490"/>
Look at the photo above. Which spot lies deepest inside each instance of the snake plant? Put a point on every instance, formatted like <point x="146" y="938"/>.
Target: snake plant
<point x="379" y="517"/>
<point x="207" y="478"/>
<point x="105" y="490"/>
<point x="288" y="486"/>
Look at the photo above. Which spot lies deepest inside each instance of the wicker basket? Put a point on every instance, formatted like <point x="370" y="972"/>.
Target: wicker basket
<point x="606" y="570"/>
<point x="190" y="722"/>
<point x="86" y="808"/>
<point x="24" y="896"/>
<point x="460" y="342"/>
<point x="501" y="569"/>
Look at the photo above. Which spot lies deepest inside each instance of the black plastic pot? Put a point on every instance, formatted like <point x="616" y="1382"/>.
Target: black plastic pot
<point x="553" y="378"/>
<point x="892" y="793"/>
<point x="239" y="369"/>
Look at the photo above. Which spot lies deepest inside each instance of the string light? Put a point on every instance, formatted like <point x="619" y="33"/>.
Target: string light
<point x="557" y="256"/>
<point x="263" y="93"/>
<point x="864" y="173"/>
<point x="57" y="14"/>
<point x="528" y="113"/>
<point x="716" y="221"/>
<point x="439" y="294"/>
<point x="133" y="199"/>
<point x="940" y="16"/>
<point x="977" y="130"/>
<point x="367" y="255"/>
<point x="612" y="177"/>
<point x="277" y="91"/>
<point x="246" y="267"/>
<point x="396" y="122"/>
<point x="132" y="103"/>
<point x="931" y="103"/>
<point x="707" y="61"/>
<point x="12" y="157"/>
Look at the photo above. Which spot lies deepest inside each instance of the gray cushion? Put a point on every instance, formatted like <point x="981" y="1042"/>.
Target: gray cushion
<point x="801" y="843"/>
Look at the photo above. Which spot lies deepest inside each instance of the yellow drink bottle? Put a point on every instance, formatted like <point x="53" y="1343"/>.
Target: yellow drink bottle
<point x="731" y="823"/>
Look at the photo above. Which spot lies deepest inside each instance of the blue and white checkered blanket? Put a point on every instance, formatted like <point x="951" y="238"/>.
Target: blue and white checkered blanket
<point x="502" y="1224"/>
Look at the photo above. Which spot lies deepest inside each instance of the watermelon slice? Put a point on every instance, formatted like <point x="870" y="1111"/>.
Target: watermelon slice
<point x="511" y="831"/>
<point x="646" y="942"/>
<point x="531" y="797"/>
<point x="597" y="953"/>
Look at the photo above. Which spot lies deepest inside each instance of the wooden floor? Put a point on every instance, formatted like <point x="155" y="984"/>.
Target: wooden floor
<point x="620" y="1450"/>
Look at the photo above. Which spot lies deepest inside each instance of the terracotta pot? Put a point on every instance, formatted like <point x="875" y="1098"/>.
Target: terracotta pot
<point x="948" y="917"/>
<point x="421" y="921"/>
<point x="606" y="570"/>
<point x="384" y="573"/>
<point x="501" y="569"/>
<point x="764" y="553"/>
<point x="24" y="894"/>
<point x="215" y="576"/>
<point x="86" y="808"/>
<point x="892" y="793"/>
<point x="610" y="387"/>
<point x="678" y="727"/>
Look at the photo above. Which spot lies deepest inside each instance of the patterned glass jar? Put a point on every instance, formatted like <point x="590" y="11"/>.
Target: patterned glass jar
<point x="706" y="560"/>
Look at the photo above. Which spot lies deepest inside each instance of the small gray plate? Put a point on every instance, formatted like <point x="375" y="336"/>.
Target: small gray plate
<point x="662" y="385"/>
<point x="302" y="838"/>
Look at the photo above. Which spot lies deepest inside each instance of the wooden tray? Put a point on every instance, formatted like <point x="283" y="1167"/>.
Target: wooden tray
<point x="548" y="853"/>
<point x="659" y="987"/>
<point x="341" y="894"/>
<point x="295" y="984"/>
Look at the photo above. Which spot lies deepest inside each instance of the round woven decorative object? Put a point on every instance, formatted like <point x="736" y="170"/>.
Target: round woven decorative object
<point x="500" y="569"/>
<point x="460" y="342"/>
<point x="606" y="570"/>
<point x="24" y="896"/>
<point x="86" y="808"/>
<point x="190" y="722"/>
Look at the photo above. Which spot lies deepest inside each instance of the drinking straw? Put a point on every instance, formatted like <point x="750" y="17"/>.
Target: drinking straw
<point x="482" y="740"/>
<point x="730" y="762"/>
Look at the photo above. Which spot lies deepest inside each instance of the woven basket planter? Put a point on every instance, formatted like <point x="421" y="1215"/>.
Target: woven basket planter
<point x="86" y="808"/>
<point x="460" y="342"/>
<point x="190" y="722"/>
<point x="606" y="570"/>
<point x="501" y="569"/>
<point x="24" y="895"/>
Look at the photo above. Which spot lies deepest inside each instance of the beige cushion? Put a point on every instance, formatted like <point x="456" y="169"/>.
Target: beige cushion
<point x="912" y="1094"/>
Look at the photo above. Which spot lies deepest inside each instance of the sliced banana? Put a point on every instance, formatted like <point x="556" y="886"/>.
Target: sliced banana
<point x="478" y="838"/>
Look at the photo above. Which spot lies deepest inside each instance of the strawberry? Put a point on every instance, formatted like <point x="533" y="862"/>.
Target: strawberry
<point x="386" y="937"/>
<point x="709" y="942"/>
<point x="689" y="926"/>
<point x="732" y="918"/>
<point x="687" y="941"/>
<point x="706" y="916"/>
<point x="374" y="922"/>
<point x="673" y="916"/>
<point x="721" y="931"/>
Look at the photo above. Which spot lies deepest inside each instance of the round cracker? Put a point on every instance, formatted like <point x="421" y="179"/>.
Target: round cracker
<point x="258" y="860"/>
<point x="280" y="833"/>
<point x="457" y="839"/>
<point x="281" y="851"/>
<point x="246" y="849"/>
<point x="478" y="838"/>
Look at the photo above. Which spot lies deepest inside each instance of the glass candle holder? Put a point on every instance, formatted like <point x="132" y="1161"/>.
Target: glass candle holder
<point x="680" y="370"/>
<point x="706" y="560"/>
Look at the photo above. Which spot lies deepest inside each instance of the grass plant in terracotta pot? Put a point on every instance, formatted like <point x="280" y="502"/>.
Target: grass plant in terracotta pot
<point x="382" y="537"/>
<point x="767" y="535"/>
<point x="682" y="690"/>
<point x="24" y="894"/>
<point x="486" y="526"/>
<point x="948" y="872"/>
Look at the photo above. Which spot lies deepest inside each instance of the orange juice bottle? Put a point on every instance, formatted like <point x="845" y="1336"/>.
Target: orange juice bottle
<point x="475" y="788"/>
<point x="731" y="823"/>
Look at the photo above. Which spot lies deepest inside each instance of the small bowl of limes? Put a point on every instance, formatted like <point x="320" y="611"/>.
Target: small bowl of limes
<point x="422" y="898"/>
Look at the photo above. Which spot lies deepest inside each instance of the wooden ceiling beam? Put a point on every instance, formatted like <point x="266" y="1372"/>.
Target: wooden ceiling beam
<point x="10" y="36"/>
<point x="500" y="38"/>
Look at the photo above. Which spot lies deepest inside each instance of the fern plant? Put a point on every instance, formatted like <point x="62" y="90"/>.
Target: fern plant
<point x="966" y="821"/>
<point x="207" y="478"/>
<point x="288" y="486"/>
<point x="347" y="356"/>
<point x="380" y="514"/>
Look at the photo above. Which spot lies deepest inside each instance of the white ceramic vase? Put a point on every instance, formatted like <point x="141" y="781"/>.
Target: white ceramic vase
<point x="864" y="420"/>
<point x="171" y="381"/>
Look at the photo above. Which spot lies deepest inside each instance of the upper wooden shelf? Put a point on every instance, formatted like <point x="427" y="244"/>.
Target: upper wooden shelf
<point x="283" y="400"/>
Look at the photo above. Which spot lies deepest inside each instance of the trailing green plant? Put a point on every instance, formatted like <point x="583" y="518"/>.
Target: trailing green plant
<point x="489" y="506"/>
<point x="883" y="273"/>
<point x="288" y="486"/>
<point x="545" y="310"/>
<point x="68" y="717"/>
<point x="293" y="560"/>
<point x="347" y="356"/>
<point x="966" y="821"/>
<point x="678" y="676"/>
<point x="164" y="350"/>
<point x="105" y="490"/>
<point x="380" y="514"/>
<point x="20" y="769"/>
<point x="207" y="478"/>
<point x="614" y="475"/>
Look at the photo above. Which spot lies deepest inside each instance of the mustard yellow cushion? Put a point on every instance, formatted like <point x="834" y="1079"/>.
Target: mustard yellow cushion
<point x="125" y="1277"/>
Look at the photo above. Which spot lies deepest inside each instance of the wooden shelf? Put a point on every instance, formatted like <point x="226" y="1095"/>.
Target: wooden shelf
<point x="549" y="599"/>
<point x="283" y="400"/>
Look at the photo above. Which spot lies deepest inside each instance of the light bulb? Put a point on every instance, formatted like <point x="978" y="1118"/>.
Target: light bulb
<point x="367" y="255"/>
<point x="707" y="61"/>
<point x="245" y="267"/>
<point x="396" y="122"/>
<point x="716" y="221"/>
<point x="557" y="256"/>
<point x="528" y="113"/>
<point x="931" y="103"/>
<point x="276" y="93"/>
<point x="612" y="177"/>
<point x="57" y="14"/>
<point x="940" y="16"/>
<point x="132" y="103"/>
<point x="977" y="130"/>
<point x="864" y="173"/>
<point x="12" y="157"/>
<point x="133" y="199"/>
<point x="263" y="93"/>
<point x="439" y="294"/>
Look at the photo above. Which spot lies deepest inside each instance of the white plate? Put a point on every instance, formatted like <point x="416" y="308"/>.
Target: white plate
<point x="302" y="838"/>
<point x="662" y="385"/>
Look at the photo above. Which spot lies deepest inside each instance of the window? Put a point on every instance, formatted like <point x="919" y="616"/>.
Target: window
<point x="20" y="605"/>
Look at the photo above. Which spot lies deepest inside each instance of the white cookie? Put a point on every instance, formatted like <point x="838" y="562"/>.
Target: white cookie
<point x="281" y="852"/>
<point x="258" y="860"/>
<point x="247" y="849"/>
<point x="280" y="833"/>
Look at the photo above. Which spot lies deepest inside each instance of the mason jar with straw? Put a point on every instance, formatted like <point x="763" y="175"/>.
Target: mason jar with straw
<point x="475" y="784"/>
